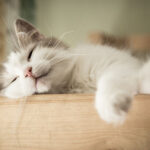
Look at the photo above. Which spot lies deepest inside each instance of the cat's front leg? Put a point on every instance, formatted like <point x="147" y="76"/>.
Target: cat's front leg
<point x="114" y="97"/>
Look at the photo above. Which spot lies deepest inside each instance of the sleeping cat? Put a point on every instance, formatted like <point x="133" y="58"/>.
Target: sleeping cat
<point x="47" y="65"/>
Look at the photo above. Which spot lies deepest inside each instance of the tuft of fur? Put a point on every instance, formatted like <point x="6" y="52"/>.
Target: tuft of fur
<point x="115" y="76"/>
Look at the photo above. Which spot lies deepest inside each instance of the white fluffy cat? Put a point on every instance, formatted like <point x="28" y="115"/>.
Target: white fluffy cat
<point x="46" y="65"/>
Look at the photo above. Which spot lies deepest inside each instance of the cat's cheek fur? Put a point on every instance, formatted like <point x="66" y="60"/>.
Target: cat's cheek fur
<point x="26" y="88"/>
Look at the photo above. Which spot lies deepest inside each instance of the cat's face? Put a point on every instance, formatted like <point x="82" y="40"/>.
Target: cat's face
<point x="38" y="65"/>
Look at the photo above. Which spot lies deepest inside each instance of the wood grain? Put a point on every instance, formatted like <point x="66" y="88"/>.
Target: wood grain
<point x="70" y="122"/>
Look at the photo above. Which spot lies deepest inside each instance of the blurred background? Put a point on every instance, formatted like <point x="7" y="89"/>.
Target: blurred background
<point x="75" y="20"/>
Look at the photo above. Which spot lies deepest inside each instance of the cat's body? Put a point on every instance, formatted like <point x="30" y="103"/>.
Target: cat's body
<point x="114" y="75"/>
<point x="93" y="62"/>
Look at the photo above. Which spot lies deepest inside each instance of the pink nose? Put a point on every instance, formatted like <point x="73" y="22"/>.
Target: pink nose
<point x="28" y="72"/>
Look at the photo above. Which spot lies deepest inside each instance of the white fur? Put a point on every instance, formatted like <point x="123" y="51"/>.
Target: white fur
<point x="114" y="75"/>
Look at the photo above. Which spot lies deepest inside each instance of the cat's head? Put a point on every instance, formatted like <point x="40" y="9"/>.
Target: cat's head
<point x="38" y="66"/>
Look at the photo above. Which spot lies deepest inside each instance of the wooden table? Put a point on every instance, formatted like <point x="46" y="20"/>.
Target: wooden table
<point x="70" y="122"/>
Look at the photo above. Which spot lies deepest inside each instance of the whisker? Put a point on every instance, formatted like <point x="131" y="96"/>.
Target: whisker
<point x="51" y="36"/>
<point x="61" y="38"/>
<point x="59" y="60"/>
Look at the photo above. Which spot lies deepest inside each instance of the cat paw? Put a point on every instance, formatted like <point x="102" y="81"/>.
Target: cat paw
<point x="113" y="109"/>
<point x="42" y="87"/>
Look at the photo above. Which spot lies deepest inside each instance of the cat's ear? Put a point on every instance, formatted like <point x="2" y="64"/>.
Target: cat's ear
<point x="26" y="32"/>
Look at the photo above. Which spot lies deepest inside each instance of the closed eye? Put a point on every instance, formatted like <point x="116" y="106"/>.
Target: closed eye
<point x="30" y="54"/>
<point x="14" y="80"/>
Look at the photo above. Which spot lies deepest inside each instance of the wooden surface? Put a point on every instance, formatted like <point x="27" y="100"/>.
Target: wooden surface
<point x="70" y="122"/>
